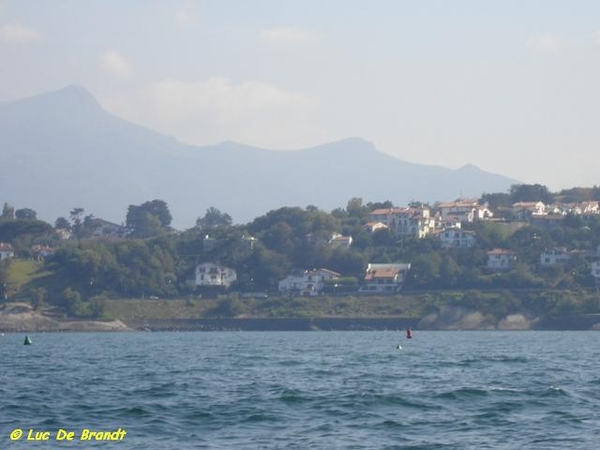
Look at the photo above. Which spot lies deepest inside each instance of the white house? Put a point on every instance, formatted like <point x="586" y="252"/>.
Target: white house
<point x="6" y="251"/>
<point x="582" y="208"/>
<point x="554" y="257"/>
<point x="501" y="259"/>
<point x="103" y="228"/>
<point x="525" y="210"/>
<point x="371" y="227"/>
<point x="210" y="274"/>
<point x="384" y="278"/>
<point x="41" y="252"/>
<point x="413" y="222"/>
<point x="596" y="271"/>
<point x="464" y="210"/>
<point x="457" y="238"/>
<point x="308" y="283"/>
<point x="338" y="240"/>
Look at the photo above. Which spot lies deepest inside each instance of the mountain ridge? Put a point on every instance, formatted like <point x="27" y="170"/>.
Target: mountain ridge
<point x="63" y="150"/>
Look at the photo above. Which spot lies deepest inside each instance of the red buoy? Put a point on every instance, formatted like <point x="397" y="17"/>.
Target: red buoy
<point x="409" y="334"/>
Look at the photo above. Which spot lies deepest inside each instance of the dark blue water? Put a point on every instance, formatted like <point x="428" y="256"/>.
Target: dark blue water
<point x="311" y="390"/>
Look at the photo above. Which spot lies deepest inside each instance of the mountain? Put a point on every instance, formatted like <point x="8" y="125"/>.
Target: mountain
<point x="62" y="150"/>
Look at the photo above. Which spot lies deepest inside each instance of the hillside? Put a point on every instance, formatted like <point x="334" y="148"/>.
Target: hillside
<point x="67" y="146"/>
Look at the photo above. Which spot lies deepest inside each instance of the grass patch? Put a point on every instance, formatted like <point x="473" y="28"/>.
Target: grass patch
<point x="24" y="272"/>
<point x="275" y="307"/>
<point x="158" y="309"/>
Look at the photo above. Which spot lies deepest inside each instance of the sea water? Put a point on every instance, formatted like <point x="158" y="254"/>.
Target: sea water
<point x="301" y="390"/>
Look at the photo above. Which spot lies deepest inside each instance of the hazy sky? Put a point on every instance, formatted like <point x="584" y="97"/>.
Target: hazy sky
<point x="510" y="86"/>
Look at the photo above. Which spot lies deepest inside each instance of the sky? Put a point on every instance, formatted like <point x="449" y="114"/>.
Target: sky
<point x="512" y="87"/>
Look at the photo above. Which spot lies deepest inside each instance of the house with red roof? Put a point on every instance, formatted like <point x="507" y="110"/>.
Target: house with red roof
<point x="384" y="278"/>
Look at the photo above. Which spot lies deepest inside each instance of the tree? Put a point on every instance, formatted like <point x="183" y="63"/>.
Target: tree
<point x="143" y="224"/>
<point x="4" y="278"/>
<point x="382" y="237"/>
<point x="85" y="228"/>
<point x="449" y="271"/>
<point x="98" y="305"/>
<point x="213" y="219"/>
<point x="280" y="238"/>
<point x="148" y="219"/>
<point x="160" y="209"/>
<point x="13" y="229"/>
<point x="75" y="215"/>
<point x="496" y="200"/>
<point x="26" y="214"/>
<point x="38" y="298"/>
<point x="355" y="207"/>
<point x="8" y="212"/>
<point x="62" y="224"/>
<point x="70" y="300"/>
<point x="379" y="205"/>
<point x="530" y="193"/>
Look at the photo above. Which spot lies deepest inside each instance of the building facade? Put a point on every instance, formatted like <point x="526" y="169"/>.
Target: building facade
<point x="308" y="283"/>
<point x="210" y="274"/>
<point x="384" y="278"/>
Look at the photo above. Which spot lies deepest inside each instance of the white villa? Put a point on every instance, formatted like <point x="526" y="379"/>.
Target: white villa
<point x="41" y="252"/>
<point x="596" y="271"/>
<point x="338" y="240"/>
<point x="384" y="278"/>
<point x="371" y="227"/>
<point x="582" y="208"/>
<point x="413" y="222"/>
<point x="464" y="210"/>
<point x="554" y="257"/>
<point x="457" y="238"/>
<point x="525" y="210"/>
<point x="210" y="274"/>
<point x="6" y="251"/>
<point x="308" y="283"/>
<point x="103" y="228"/>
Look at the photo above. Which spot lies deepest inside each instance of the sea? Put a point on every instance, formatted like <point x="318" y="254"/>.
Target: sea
<point x="301" y="390"/>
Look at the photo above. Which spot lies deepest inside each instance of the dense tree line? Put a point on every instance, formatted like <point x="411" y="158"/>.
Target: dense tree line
<point x="155" y="260"/>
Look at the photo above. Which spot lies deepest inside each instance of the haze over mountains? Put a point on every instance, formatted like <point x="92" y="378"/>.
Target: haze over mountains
<point x="62" y="150"/>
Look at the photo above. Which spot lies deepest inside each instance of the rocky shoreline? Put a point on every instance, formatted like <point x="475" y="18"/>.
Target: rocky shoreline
<point x="20" y="317"/>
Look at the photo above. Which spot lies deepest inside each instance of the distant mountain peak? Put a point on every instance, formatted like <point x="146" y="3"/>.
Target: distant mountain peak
<point x="344" y="147"/>
<point x="78" y="154"/>
<point x="77" y="90"/>
<point x="469" y="167"/>
<point x="73" y="98"/>
<point x="74" y="95"/>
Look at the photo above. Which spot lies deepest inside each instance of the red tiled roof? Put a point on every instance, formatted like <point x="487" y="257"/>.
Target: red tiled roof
<point x="500" y="251"/>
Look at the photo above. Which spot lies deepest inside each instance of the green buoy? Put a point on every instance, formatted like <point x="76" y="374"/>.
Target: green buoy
<point x="27" y="340"/>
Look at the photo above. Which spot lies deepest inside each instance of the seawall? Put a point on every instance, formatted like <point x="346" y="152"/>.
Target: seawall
<point x="273" y="324"/>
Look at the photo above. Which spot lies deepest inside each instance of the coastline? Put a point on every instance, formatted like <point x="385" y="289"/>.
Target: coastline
<point x="20" y="317"/>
